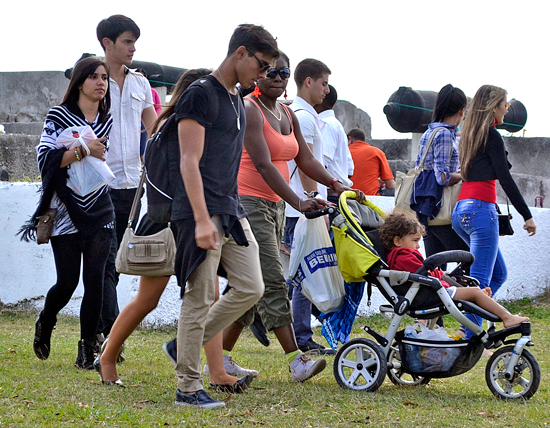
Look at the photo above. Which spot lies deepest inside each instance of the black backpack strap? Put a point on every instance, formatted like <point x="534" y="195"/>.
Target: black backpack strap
<point x="211" y="96"/>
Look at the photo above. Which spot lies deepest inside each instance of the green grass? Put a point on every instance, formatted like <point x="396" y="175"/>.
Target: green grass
<point x="53" y="393"/>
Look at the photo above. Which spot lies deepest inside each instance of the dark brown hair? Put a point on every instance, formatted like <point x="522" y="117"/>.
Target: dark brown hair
<point x="81" y="71"/>
<point x="114" y="26"/>
<point x="253" y="37"/>
<point x="309" y="67"/>
<point x="399" y="224"/>
<point x="357" y="134"/>
<point x="182" y="84"/>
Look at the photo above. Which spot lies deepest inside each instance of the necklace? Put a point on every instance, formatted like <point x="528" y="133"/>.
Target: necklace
<point x="276" y="108"/>
<point x="232" y="103"/>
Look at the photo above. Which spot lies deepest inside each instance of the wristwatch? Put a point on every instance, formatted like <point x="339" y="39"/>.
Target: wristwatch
<point x="335" y="180"/>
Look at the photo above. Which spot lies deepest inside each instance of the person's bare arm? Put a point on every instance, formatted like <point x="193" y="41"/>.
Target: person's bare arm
<point x="455" y="178"/>
<point x="148" y="117"/>
<point x="390" y="184"/>
<point x="191" y="140"/>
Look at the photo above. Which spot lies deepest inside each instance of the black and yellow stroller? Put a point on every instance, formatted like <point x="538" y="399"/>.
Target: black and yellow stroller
<point x="362" y="364"/>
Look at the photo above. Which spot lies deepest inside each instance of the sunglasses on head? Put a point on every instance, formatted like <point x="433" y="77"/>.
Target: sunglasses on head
<point x="284" y="72"/>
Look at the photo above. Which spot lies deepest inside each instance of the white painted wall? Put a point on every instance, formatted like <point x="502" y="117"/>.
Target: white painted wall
<point x="27" y="270"/>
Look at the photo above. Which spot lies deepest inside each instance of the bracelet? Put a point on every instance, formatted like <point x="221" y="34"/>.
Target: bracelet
<point x="311" y="194"/>
<point x="83" y="153"/>
<point x="300" y="205"/>
<point x="334" y="180"/>
<point x="77" y="155"/>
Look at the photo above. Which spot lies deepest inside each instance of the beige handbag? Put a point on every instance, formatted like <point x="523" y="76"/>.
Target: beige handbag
<point x="151" y="255"/>
<point x="404" y="184"/>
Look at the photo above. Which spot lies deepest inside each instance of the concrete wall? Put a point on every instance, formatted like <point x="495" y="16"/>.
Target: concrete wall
<point x="27" y="270"/>
<point x="27" y="96"/>
<point x="352" y="117"/>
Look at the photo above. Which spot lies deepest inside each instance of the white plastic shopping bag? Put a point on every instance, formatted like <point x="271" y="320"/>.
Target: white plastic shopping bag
<point x="90" y="173"/>
<point x="419" y="331"/>
<point x="313" y="267"/>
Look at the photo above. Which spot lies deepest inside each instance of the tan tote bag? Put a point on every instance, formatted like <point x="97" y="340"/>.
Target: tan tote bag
<point x="404" y="184"/>
<point x="151" y="255"/>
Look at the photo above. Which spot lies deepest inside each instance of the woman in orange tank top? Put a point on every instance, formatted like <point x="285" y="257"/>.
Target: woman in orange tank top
<point x="272" y="138"/>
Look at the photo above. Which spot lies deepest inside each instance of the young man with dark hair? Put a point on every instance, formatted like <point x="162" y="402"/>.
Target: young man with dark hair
<point x="336" y="155"/>
<point x="311" y="77"/>
<point x="211" y="222"/>
<point x="131" y="104"/>
<point x="372" y="171"/>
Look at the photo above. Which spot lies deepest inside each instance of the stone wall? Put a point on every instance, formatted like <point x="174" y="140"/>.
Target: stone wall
<point x="26" y="97"/>
<point x="352" y="117"/>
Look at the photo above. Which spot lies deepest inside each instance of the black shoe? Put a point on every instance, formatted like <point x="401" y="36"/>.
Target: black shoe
<point x="240" y="386"/>
<point x="42" y="337"/>
<point x="258" y="330"/>
<point x="85" y="358"/>
<point x="314" y="347"/>
<point x="198" y="399"/>
<point x="171" y="351"/>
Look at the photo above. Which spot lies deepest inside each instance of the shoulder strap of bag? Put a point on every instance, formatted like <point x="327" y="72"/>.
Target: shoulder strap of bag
<point x="137" y="197"/>
<point x="430" y="141"/>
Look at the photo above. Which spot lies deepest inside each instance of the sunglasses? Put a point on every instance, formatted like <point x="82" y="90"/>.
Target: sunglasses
<point x="284" y="72"/>
<point x="264" y="65"/>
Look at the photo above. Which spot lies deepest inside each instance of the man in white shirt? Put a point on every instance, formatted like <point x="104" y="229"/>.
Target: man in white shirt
<point x="336" y="153"/>
<point x="131" y="104"/>
<point x="311" y="77"/>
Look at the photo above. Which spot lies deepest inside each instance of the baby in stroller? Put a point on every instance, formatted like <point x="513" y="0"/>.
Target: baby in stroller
<point x="400" y="236"/>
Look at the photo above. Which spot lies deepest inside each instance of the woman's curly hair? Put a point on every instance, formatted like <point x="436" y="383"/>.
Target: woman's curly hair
<point x="400" y="225"/>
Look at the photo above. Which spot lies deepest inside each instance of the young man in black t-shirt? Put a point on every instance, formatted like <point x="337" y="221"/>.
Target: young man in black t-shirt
<point x="211" y="223"/>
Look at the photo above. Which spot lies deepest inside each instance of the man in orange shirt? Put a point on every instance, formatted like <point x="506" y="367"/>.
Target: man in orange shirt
<point x="372" y="171"/>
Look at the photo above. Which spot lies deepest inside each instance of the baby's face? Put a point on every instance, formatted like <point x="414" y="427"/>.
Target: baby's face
<point x="409" y="241"/>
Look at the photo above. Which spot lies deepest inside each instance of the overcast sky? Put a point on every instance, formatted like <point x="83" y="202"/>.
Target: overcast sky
<point x="371" y="47"/>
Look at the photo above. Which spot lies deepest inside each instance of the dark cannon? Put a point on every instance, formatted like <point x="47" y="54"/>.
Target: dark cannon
<point x="158" y="75"/>
<point x="408" y="110"/>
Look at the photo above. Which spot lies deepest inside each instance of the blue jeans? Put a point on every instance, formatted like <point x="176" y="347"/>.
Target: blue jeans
<point x="476" y="222"/>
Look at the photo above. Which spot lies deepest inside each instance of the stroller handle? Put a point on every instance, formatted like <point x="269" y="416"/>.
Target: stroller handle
<point x="455" y="256"/>
<point x="324" y="211"/>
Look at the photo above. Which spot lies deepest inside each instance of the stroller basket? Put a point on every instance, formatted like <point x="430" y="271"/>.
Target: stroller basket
<point x="438" y="359"/>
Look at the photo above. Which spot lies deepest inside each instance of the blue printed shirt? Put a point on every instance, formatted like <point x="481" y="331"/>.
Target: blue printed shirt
<point x="442" y="157"/>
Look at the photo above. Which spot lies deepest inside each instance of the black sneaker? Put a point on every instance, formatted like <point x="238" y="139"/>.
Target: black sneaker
<point x="199" y="399"/>
<point x="171" y="351"/>
<point x="314" y="347"/>
<point x="258" y="330"/>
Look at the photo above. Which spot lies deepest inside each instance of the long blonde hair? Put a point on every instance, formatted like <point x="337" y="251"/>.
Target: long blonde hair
<point x="479" y="119"/>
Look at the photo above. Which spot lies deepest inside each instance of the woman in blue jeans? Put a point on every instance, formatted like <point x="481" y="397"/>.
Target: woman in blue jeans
<point x="483" y="160"/>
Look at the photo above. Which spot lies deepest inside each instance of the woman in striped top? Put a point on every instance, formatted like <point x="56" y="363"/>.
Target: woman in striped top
<point x="84" y="224"/>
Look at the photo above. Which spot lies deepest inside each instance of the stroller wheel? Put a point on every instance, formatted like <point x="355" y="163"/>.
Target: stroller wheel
<point x="397" y="375"/>
<point x="525" y="381"/>
<point x="360" y="365"/>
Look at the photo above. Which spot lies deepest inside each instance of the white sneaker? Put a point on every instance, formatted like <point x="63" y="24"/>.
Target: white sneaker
<point x="303" y="367"/>
<point x="233" y="369"/>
